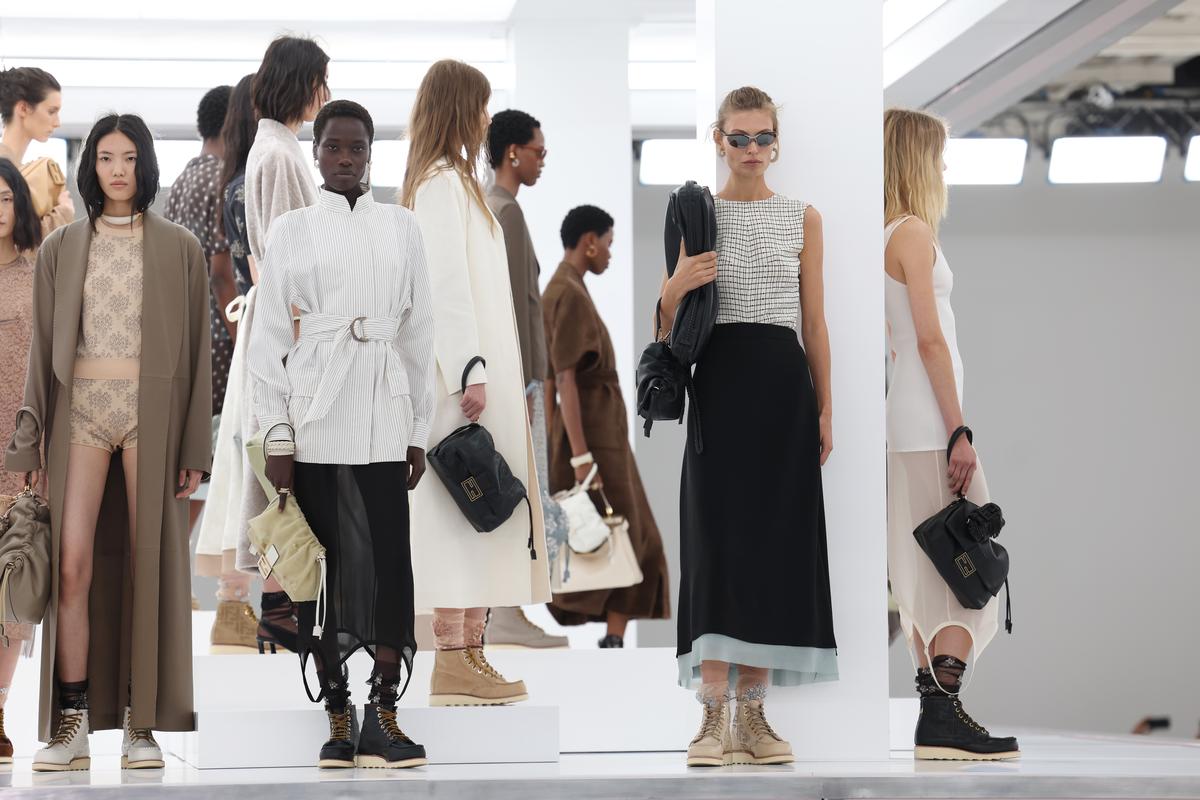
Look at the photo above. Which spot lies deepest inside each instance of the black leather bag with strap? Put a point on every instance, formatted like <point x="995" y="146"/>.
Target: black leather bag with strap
<point x="477" y="476"/>
<point x="960" y="540"/>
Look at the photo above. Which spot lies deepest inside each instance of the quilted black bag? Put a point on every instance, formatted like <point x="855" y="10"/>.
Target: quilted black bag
<point x="477" y="476"/>
<point x="960" y="541"/>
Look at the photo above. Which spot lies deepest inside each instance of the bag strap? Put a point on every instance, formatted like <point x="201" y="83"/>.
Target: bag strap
<point x="470" y="366"/>
<point x="961" y="430"/>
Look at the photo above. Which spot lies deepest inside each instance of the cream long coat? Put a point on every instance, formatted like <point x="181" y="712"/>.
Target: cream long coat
<point x="140" y="625"/>
<point x="454" y="566"/>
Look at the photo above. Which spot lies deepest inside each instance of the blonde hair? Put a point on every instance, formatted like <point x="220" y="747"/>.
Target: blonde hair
<point x="913" y="183"/>
<point x="747" y="98"/>
<point x="447" y="123"/>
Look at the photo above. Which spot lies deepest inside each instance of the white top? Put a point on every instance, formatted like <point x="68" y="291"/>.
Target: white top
<point x="354" y="275"/>
<point x="277" y="181"/>
<point x="758" y="260"/>
<point x="914" y="421"/>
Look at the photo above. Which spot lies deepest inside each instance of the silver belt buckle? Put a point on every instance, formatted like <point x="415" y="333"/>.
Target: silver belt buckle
<point x="361" y="322"/>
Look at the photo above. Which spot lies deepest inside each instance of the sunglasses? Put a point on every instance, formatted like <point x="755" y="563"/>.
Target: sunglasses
<point x="742" y="140"/>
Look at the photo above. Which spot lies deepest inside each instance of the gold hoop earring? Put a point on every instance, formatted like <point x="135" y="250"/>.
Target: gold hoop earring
<point x="591" y="252"/>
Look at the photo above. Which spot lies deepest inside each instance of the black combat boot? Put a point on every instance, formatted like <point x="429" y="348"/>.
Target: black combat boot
<point x="338" y="752"/>
<point x="945" y="731"/>
<point x="382" y="744"/>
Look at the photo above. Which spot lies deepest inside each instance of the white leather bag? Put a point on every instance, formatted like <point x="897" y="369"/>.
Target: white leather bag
<point x="588" y="531"/>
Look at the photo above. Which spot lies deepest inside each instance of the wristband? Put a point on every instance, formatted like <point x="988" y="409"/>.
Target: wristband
<point x="583" y="460"/>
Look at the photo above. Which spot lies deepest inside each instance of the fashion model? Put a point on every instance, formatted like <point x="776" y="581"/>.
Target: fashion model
<point x="118" y="395"/>
<point x="754" y="603"/>
<point x="357" y="390"/>
<point x="589" y="428"/>
<point x="516" y="150"/>
<point x="924" y="407"/>
<point x="287" y="91"/>
<point x="460" y="572"/>
<point x="20" y="235"/>
<point x="236" y="627"/>
<point x="30" y="102"/>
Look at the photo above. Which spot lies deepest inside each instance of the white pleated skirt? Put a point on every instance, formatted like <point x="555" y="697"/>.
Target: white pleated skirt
<point x="917" y="489"/>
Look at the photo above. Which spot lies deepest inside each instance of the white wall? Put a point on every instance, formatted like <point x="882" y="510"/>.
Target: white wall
<point x="1078" y="326"/>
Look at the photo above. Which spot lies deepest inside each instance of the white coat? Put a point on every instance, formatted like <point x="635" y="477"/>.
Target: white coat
<point x="454" y="566"/>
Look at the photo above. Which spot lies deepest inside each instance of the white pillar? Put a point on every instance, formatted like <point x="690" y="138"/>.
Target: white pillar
<point x="572" y="74"/>
<point x="822" y="62"/>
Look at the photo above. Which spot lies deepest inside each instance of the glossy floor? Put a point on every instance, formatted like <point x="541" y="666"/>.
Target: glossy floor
<point x="1054" y="765"/>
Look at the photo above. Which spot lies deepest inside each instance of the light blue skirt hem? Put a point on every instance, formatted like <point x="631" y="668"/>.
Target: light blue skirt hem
<point x="789" y="666"/>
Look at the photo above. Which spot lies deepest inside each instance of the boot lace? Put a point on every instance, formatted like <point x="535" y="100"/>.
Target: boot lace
<point x="68" y="726"/>
<point x="965" y="718"/>
<point x="710" y="724"/>
<point x="339" y="725"/>
<point x="387" y="721"/>
<point x="756" y="720"/>
<point x="480" y="661"/>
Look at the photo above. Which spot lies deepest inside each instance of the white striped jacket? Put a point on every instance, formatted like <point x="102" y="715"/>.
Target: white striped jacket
<point x="358" y="385"/>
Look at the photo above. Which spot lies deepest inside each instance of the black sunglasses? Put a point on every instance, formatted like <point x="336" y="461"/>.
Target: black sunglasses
<point x="742" y="140"/>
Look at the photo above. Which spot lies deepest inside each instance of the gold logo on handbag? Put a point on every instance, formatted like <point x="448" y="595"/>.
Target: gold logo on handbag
<point x="266" y="562"/>
<point x="472" y="489"/>
<point x="965" y="565"/>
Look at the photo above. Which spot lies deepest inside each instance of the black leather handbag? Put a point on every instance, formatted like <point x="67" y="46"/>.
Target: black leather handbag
<point x="960" y="541"/>
<point x="477" y="476"/>
<point x="692" y="218"/>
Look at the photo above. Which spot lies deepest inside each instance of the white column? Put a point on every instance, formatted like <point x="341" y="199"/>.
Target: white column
<point x="572" y="74"/>
<point x="822" y="63"/>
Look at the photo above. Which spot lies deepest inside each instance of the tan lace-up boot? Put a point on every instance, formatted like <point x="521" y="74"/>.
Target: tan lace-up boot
<point x="710" y="745"/>
<point x="458" y="680"/>
<point x="235" y="630"/>
<point x="753" y="740"/>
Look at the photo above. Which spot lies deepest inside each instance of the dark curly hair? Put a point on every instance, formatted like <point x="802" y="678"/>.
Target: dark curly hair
<point x="509" y="127"/>
<point x="28" y="84"/>
<point x="581" y="220"/>
<point x="292" y="71"/>
<point x="210" y="114"/>
<point x="341" y="108"/>
<point x="27" y="228"/>
<point x="145" y="172"/>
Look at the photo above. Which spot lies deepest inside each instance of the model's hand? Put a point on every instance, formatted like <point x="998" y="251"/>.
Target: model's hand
<point x="692" y="272"/>
<point x="279" y="473"/>
<point x="963" y="463"/>
<point x="474" y="401"/>
<point x="581" y="473"/>
<point x="416" y="466"/>
<point x="189" y="482"/>
<point x="825" y="423"/>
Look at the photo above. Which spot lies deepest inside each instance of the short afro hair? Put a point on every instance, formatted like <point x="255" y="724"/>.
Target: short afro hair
<point x="509" y="127"/>
<point x="342" y="108"/>
<point x="210" y="115"/>
<point x="581" y="220"/>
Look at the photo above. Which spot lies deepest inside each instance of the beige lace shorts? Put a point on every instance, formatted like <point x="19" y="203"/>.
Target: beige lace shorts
<point x="104" y="413"/>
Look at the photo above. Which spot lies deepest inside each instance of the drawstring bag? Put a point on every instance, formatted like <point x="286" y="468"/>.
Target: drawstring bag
<point x="24" y="560"/>
<point x="587" y="532"/>
<point x="286" y="547"/>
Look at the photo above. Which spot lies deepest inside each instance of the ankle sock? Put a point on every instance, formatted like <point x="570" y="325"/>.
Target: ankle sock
<point x="73" y="694"/>
<point x="448" y="628"/>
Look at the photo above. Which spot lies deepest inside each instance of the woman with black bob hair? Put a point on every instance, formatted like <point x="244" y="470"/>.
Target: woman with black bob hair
<point x="119" y="362"/>
<point x="356" y="396"/>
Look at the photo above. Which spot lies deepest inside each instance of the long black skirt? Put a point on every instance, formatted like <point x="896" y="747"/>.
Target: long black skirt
<point x="360" y="514"/>
<point x="754" y="577"/>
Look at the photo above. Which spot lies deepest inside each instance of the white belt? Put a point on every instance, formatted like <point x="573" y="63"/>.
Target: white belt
<point x="346" y="333"/>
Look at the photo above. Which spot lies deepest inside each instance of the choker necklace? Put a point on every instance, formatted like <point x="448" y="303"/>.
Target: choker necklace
<point x="129" y="220"/>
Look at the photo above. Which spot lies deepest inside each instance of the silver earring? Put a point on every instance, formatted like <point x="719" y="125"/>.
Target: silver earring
<point x="366" y="182"/>
<point x="516" y="162"/>
<point x="722" y="152"/>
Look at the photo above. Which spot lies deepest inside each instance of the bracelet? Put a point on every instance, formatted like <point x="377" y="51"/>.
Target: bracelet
<point x="280" y="447"/>
<point x="579" y="461"/>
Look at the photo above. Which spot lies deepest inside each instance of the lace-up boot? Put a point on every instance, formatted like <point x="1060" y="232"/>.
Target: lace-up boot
<point x="138" y="748"/>
<point x="68" y="748"/>
<point x="338" y="752"/>
<point x="945" y="731"/>
<point x="752" y="739"/>
<point x="510" y="628"/>
<point x="710" y="745"/>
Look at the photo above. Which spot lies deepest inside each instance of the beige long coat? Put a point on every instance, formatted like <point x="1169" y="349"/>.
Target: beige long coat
<point x="455" y="566"/>
<point x="140" y="625"/>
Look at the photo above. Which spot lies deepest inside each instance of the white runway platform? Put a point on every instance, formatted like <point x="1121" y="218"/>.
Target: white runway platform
<point x="257" y="735"/>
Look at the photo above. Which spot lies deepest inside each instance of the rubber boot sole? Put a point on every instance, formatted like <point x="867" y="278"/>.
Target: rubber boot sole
<point x="148" y="763"/>
<point x="335" y="763"/>
<point x="80" y="764"/>
<point x="705" y="761"/>
<point x="929" y="753"/>
<point x="443" y="700"/>
<point x="6" y="759"/>
<point x="379" y="762"/>
<point x="742" y="757"/>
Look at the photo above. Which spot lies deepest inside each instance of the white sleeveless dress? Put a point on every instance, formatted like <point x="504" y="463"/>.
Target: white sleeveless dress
<point x="917" y="483"/>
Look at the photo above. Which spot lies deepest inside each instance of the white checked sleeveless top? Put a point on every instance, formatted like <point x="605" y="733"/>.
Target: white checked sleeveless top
<point x="914" y="421"/>
<point x="758" y="260"/>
